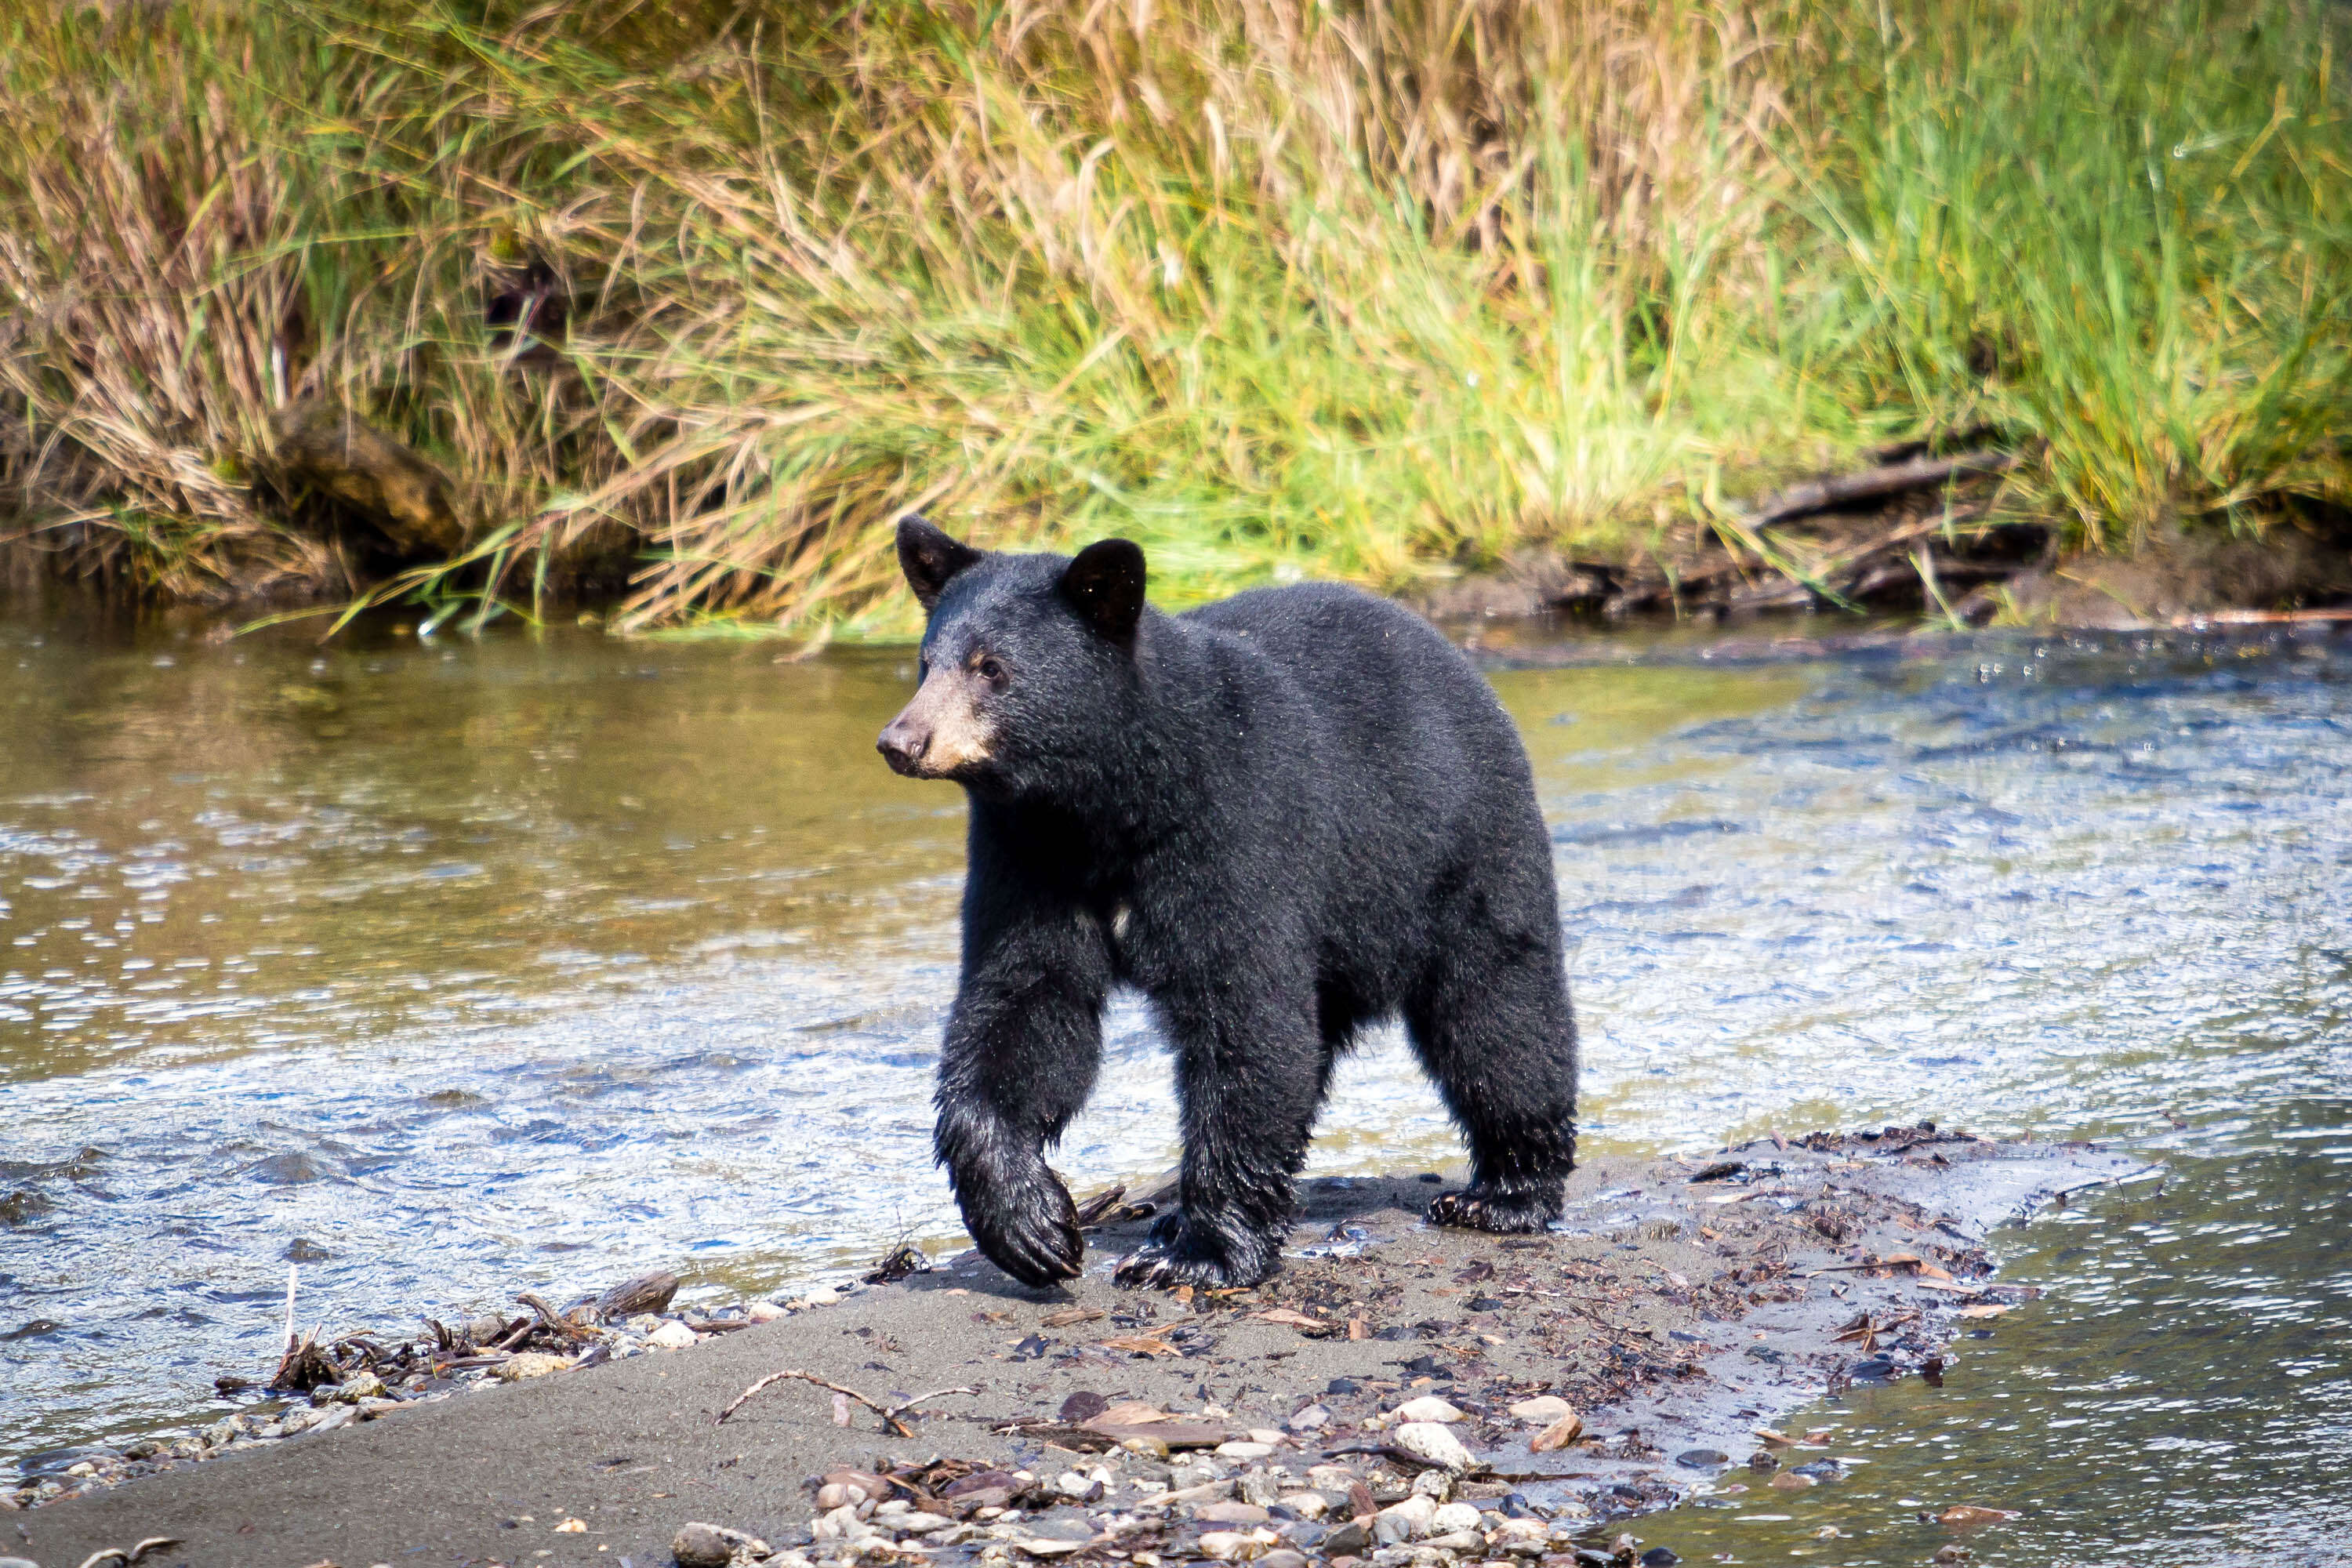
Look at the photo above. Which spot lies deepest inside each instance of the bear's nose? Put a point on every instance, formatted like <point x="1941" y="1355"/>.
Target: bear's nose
<point x="902" y="745"/>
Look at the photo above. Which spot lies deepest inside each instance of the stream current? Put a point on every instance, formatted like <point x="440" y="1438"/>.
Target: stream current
<point x="445" y="968"/>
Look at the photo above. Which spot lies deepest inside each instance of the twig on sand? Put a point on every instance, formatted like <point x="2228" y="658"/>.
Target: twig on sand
<point x="110" y="1555"/>
<point x="1482" y="1472"/>
<point x="1386" y="1451"/>
<point x="889" y="1413"/>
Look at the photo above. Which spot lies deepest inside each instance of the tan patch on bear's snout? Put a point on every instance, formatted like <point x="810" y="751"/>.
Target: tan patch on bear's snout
<point x="964" y="740"/>
<point x="960" y="735"/>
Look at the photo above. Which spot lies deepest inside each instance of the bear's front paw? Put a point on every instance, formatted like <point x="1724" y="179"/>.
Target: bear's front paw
<point x="1504" y="1210"/>
<point x="1028" y="1228"/>
<point x="1185" y="1252"/>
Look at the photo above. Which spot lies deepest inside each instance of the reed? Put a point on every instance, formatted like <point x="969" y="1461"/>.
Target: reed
<point x="1380" y="290"/>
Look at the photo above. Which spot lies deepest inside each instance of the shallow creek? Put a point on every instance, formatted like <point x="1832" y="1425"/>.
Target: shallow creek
<point x="445" y="968"/>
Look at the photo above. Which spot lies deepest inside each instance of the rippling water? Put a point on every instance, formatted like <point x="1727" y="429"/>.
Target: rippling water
<point x="448" y="968"/>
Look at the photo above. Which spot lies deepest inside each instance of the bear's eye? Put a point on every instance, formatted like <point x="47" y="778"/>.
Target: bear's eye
<point x="991" y="670"/>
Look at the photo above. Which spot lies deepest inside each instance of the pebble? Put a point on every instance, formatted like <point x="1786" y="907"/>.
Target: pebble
<point x="1542" y="1410"/>
<point x="1790" y="1481"/>
<point x="764" y="1312"/>
<point x="1305" y="1505"/>
<point x="1407" y="1521"/>
<point x="840" y="1524"/>
<point x="366" y="1385"/>
<point x="838" y="1494"/>
<point x="1310" y="1419"/>
<point x="1041" y="1547"/>
<point x="698" y="1545"/>
<point x="1283" y="1557"/>
<point x="530" y="1364"/>
<point x="823" y="1296"/>
<point x="1230" y="1513"/>
<point x="1453" y="1516"/>
<point x="919" y="1523"/>
<point x="1233" y="1545"/>
<point x="1351" y="1540"/>
<point x="1430" y="1441"/>
<point x="1659" y="1557"/>
<point x="1703" y="1458"/>
<point x="1428" y="1407"/>
<point x="1559" y="1435"/>
<point x="1245" y="1450"/>
<point x="670" y="1336"/>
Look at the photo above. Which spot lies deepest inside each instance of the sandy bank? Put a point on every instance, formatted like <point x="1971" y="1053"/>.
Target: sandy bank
<point x="1673" y="1316"/>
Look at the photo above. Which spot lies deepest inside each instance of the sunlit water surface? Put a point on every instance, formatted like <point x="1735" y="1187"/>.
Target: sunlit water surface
<point x="450" y="968"/>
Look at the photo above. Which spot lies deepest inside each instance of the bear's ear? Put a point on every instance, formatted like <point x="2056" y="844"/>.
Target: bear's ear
<point x="930" y="558"/>
<point x="1105" y="585"/>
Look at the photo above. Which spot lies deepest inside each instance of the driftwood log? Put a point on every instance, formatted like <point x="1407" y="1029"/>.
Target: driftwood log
<point x="645" y="1293"/>
<point x="322" y="444"/>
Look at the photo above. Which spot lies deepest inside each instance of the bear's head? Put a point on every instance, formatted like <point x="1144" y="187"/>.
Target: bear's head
<point x="1029" y="676"/>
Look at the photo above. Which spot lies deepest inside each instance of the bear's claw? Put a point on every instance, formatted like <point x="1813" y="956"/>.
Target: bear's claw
<point x="1031" y="1236"/>
<point x="1184" y="1253"/>
<point x="1494" y="1209"/>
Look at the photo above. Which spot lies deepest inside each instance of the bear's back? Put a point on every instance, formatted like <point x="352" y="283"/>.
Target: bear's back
<point x="1354" y="656"/>
<point x="1403" y="716"/>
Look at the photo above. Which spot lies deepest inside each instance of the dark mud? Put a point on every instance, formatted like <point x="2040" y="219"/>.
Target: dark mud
<point x="1677" y="1317"/>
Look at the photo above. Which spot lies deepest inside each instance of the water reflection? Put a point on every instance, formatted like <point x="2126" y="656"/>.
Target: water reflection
<point x="2183" y="1395"/>
<point x="446" y="970"/>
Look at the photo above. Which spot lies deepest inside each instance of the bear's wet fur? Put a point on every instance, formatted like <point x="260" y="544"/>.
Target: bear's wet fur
<point x="1282" y="817"/>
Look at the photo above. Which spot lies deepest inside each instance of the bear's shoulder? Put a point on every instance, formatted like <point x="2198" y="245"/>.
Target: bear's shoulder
<point x="1329" y="627"/>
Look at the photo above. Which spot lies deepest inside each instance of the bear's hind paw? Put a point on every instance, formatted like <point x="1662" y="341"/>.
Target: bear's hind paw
<point x="1493" y="1209"/>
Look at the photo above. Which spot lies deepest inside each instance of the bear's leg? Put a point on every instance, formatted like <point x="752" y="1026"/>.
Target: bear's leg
<point x="1023" y="1047"/>
<point x="1495" y="1032"/>
<point x="1249" y="1077"/>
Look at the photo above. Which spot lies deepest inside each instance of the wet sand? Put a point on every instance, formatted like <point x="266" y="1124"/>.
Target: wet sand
<point x="1675" y="1317"/>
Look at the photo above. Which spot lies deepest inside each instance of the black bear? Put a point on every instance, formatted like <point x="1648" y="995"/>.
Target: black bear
<point x="1281" y="817"/>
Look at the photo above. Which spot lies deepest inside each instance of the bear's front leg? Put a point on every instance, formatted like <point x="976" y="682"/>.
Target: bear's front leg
<point x="1249" y="1072"/>
<point x="1023" y="1047"/>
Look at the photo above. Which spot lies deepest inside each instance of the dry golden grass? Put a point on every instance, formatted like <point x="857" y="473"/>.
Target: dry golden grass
<point x="1276" y="286"/>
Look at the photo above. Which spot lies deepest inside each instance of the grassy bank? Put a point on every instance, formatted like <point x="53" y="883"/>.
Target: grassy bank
<point x="1378" y="290"/>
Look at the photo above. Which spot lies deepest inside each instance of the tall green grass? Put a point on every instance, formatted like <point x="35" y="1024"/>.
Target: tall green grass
<point x="1375" y="288"/>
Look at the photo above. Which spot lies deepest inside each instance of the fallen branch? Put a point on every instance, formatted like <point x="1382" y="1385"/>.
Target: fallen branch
<point x="1891" y="479"/>
<point x="889" y="1413"/>
<point x="107" y="1554"/>
<point x="555" y="1323"/>
<point x="1901" y="1260"/>
<point x="2261" y="619"/>
<point x="1092" y="1210"/>
<point x="1386" y="1451"/>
